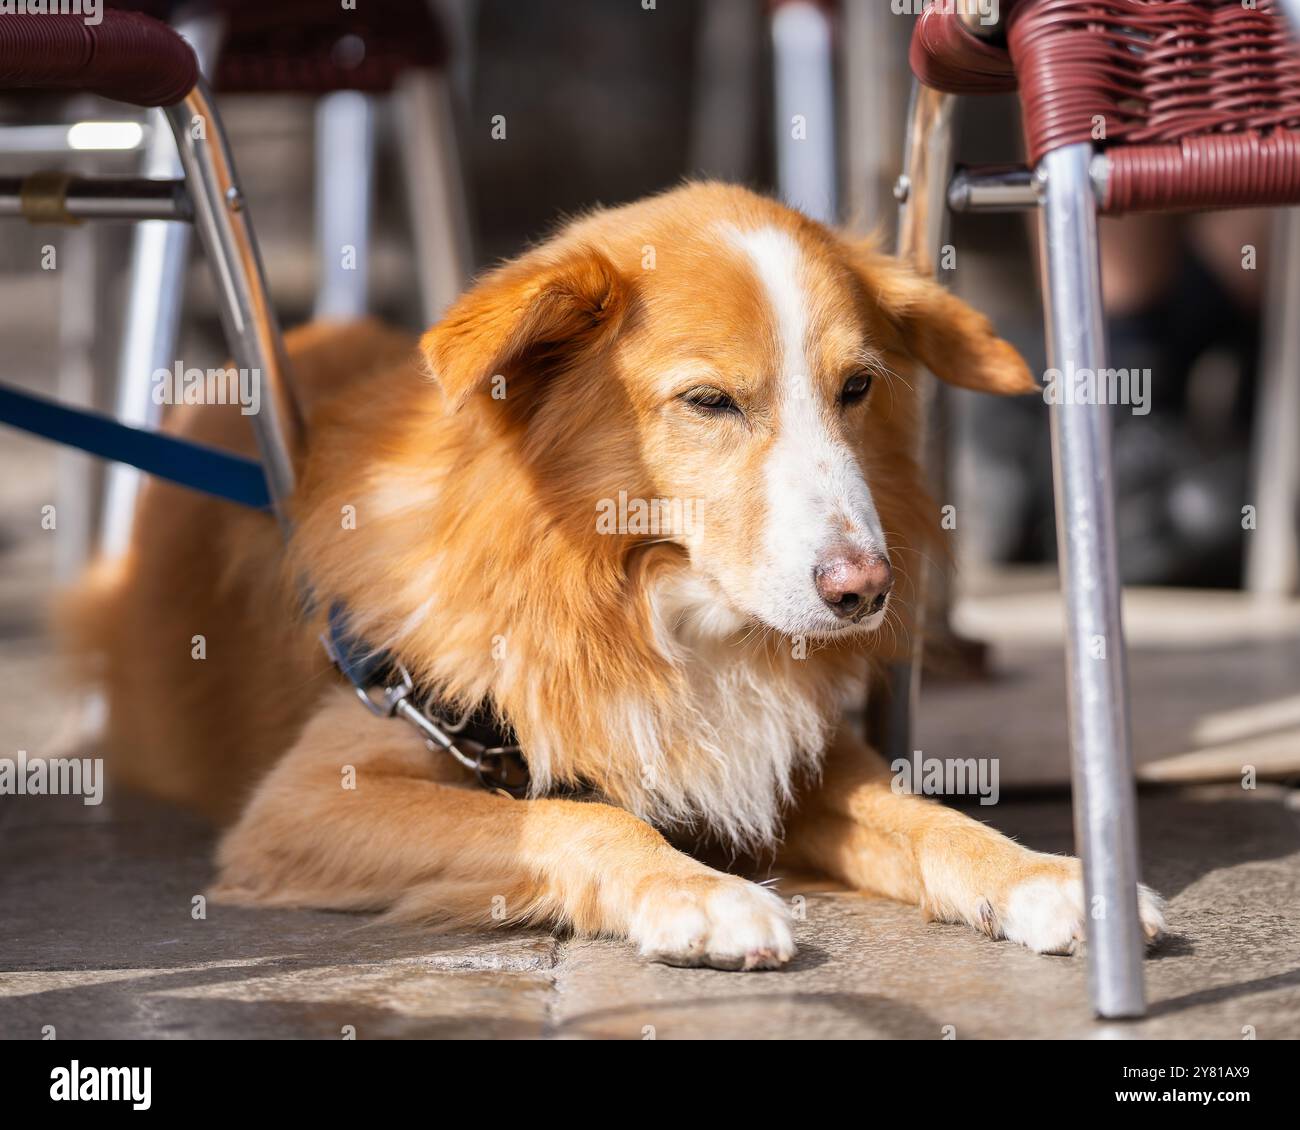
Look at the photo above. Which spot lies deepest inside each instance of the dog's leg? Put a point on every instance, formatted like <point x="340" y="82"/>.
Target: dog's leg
<point x="858" y="828"/>
<point x="354" y="818"/>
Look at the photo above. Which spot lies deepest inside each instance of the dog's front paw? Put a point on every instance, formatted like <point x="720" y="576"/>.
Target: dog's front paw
<point x="1046" y="912"/>
<point x="721" y="921"/>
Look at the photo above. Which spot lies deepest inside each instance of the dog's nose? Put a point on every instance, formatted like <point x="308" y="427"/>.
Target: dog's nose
<point x="853" y="585"/>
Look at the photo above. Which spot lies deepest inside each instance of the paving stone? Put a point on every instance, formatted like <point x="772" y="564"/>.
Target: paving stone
<point x="97" y="939"/>
<point x="869" y="968"/>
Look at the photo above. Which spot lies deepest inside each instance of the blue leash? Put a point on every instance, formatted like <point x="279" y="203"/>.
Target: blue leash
<point x="195" y="465"/>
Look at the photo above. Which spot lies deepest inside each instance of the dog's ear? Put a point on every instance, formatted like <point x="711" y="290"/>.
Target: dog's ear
<point x="531" y="317"/>
<point x="953" y="340"/>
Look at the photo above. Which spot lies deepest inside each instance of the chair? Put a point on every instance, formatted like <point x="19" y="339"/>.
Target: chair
<point x="347" y="59"/>
<point x="1127" y="105"/>
<point x="133" y="58"/>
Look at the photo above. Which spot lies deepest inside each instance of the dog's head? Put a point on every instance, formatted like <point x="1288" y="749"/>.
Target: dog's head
<point x="714" y="371"/>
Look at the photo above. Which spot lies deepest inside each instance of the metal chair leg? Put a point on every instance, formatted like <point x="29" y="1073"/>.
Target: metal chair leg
<point x="805" y="89"/>
<point x="435" y="188"/>
<point x="77" y="479"/>
<point x="922" y="231"/>
<point x="873" y="45"/>
<point x="345" y="128"/>
<point x="1272" y="558"/>
<point x="159" y="255"/>
<point x="246" y="313"/>
<point x="1105" y="798"/>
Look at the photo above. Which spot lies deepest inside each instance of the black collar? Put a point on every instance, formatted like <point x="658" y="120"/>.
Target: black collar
<point x="477" y="739"/>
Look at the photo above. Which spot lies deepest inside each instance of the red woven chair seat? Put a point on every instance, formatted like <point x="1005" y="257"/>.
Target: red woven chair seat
<point x="946" y="56"/>
<point x="126" y="56"/>
<point x="1196" y="104"/>
<point x="315" y="46"/>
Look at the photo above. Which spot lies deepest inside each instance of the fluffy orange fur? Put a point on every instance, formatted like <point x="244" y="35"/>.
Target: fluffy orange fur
<point x="447" y="497"/>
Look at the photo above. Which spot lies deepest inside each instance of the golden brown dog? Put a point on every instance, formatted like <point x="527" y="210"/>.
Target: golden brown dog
<point x="648" y="491"/>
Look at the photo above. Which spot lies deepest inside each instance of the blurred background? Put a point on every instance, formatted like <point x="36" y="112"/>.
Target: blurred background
<point x="541" y="111"/>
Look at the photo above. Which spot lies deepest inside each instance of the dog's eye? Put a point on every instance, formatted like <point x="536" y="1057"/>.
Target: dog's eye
<point x="856" y="388"/>
<point x="712" y="401"/>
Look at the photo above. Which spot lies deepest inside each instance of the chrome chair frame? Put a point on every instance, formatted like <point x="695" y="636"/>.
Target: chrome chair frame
<point x="1063" y="189"/>
<point x="208" y="196"/>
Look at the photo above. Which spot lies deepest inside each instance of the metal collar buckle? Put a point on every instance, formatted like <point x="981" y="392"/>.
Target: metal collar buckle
<point x="500" y="767"/>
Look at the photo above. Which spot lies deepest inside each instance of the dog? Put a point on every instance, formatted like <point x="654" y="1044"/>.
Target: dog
<point x="649" y="493"/>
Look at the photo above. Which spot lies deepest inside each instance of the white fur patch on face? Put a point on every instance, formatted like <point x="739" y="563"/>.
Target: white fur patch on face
<point x="816" y="494"/>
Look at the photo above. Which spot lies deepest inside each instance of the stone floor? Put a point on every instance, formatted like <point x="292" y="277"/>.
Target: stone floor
<point x="98" y="938"/>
